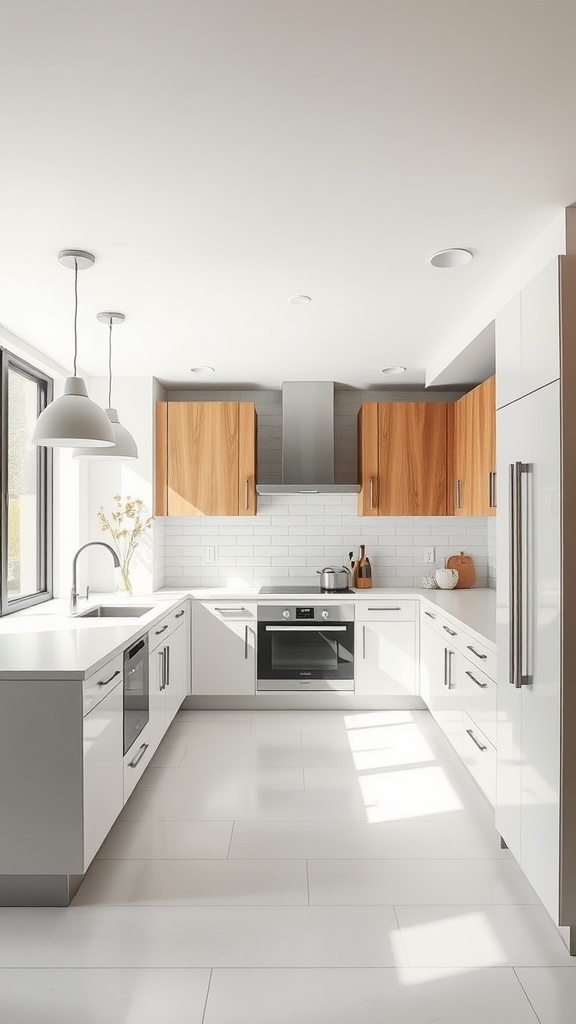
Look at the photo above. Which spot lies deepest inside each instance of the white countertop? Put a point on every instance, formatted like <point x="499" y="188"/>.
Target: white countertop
<point x="46" y="642"/>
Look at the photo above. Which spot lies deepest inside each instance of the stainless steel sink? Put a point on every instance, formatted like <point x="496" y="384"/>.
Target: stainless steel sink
<point x="114" y="611"/>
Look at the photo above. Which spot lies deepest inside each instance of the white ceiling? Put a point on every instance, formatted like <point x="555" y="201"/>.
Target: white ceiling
<point x="219" y="156"/>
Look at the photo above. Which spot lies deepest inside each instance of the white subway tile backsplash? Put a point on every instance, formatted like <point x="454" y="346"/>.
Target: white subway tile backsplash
<point x="294" y="535"/>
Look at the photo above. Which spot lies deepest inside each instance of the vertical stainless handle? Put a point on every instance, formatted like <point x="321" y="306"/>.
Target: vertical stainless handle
<point x="167" y="667"/>
<point x="371" y="494"/>
<point x="492" y="490"/>
<point x="162" y="674"/>
<point x="449" y="654"/>
<point x="458" y="497"/>
<point x="364" y="642"/>
<point x="445" y="666"/>
<point x="515" y="590"/>
<point x="246" y="502"/>
<point x="245" y="643"/>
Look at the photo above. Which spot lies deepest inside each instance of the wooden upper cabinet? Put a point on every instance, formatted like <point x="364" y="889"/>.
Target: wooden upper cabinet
<point x="403" y="458"/>
<point x="205" y="459"/>
<point x="474" y="452"/>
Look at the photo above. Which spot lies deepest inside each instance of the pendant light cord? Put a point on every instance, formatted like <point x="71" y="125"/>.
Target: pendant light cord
<point x="75" y="313"/>
<point x="110" y="366"/>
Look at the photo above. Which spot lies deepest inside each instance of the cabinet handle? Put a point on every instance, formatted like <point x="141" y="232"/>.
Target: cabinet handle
<point x="371" y="494"/>
<point x="234" y="610"/>
<point x="480" y="746"/>
<point x="492" y="490"/>
<point x="364" y="643"/>
<point x="477" y="681"/>
<point x="139" y="755"/>
<point x="167" y="667"/>
<point x="458" y="494"/>
<point x="449" y="654"/>
<point x="246" y="501"/>
<point x="483" y="657"/>
<point x="430" y="615"/>
<point x="158" y="631"/>
<point x="452" y="632"/>
<point x="178" y="614"/>
<point x="104" y="682"/>
<point x="245" y="643"/>
<point x="162" y="669"/>
<point x="392" y="608"/>
<point x="445" y="665"/>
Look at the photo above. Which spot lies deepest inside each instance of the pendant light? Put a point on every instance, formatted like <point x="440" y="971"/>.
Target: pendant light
<point x="124" y="446"/>
<point x="73" y="418"/>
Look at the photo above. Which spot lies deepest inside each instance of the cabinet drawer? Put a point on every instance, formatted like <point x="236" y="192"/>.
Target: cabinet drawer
<point x="386" y="610"/>
<point x="161" y="630"/>
<point x="447" y="630"/>
<point x="480" y="655"/>
<point x="101" y="683"/>
<point x="136" y="761"/>
<point x="479" y="757"/>
<point x="480" y="699"/>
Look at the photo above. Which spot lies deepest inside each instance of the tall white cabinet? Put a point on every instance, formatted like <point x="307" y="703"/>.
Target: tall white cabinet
<point x="536" y="561"/>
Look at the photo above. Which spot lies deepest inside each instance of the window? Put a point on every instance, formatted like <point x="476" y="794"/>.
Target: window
<point x="26" y="486"/>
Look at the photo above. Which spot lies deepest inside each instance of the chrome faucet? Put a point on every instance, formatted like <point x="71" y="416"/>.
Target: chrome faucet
<point x="74" y="596"/>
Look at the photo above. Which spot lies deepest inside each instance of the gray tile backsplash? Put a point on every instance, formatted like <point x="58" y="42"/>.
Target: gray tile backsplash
<point x="293" y="535"/>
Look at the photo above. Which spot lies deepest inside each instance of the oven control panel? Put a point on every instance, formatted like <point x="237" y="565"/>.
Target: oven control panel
<point x="305" y="613"/>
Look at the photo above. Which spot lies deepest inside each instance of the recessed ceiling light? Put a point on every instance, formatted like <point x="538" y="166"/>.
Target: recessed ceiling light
<point x="447" y="258"/>
<point x="201" y="370"/>
<point x="394" y="369"/>
<point x="299" y="300"/>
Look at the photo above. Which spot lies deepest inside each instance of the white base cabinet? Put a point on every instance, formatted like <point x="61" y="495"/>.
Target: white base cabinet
<point x="386" y="649"/>
<point x="103" y="781"/>
<point x="169" y="670"/>
<point x="223" y="648"/>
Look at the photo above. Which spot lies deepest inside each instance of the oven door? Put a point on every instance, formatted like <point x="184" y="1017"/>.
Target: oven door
<point x="305" y="656"/>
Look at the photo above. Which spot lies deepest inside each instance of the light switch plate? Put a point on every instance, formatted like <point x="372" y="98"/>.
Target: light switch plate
<point x="429" y="556"/>
<point x="210" y="555"/>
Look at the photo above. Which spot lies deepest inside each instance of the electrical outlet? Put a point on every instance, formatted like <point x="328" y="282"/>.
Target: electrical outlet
<point x="210" y="555"/>
<point x="429" y="556"/>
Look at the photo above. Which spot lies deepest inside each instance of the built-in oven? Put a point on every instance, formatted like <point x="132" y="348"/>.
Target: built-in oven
<point x="136" y="691"/>
<point x="305" y="647"/>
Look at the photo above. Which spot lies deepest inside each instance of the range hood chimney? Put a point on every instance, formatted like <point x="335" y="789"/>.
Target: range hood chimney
<point x="308" y="441"/>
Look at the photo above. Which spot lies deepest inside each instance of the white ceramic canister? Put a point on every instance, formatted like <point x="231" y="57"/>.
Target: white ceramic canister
<point x="446" y="578"/>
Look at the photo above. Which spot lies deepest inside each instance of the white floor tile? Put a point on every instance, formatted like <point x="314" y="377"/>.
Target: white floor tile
<point x="216" y="780"/>
<point x="473" y="936"/>
<point x="342" y="882"/>
<point x="160" y="936"/>
<point x="474" y="839"/>
<point x="274" y="750"/>
<point x="551" y="991"/>
<point x="162" y="840"/>
<point x="327" y="839"/>
<point x="244" y="805"/>
<point x="248" y="883"/>
<point x="103" y="996"/>
<point x="170" y="753"/>
<point x="366" y="997"/>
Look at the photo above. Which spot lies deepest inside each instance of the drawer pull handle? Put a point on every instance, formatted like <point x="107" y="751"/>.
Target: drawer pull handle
<point x="477" y="681"/>
<point x="139" y="755"/>
<point x="452" y="632"/>
<point x="477" y="653"/>
<point x="395" y="608"/>
<point x="480" y="746"/>
<point x="430" y="615"/>
<point x="178" y="614"/>
<point x="104" y="682"/>
<point x="158" y="631"/>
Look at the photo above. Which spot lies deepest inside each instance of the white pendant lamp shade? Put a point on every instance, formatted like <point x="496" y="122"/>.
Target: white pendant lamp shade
<point x="73" y="419"/>
<point x="124" y="446"/>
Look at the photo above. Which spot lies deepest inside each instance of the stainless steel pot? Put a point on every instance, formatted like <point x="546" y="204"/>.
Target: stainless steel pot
<point x="334" y="579"/>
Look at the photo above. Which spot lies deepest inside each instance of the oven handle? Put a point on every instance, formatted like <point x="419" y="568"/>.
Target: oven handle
<point x="306" y="629"/>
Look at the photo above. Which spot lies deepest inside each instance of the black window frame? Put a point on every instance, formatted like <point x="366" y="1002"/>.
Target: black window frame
<point x="44" y="470"/>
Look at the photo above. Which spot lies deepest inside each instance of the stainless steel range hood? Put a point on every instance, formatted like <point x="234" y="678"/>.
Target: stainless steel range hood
<point x="307" y="441"/>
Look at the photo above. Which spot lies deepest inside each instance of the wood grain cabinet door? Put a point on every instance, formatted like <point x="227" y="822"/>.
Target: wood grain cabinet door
<point x="461" y="490"/>
<point x="368" y="469"/>
<point x="484" y="449"/>
<point x="205" y="459"/>
<point x="412" y="459"/>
